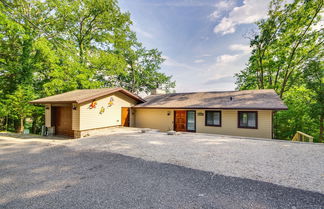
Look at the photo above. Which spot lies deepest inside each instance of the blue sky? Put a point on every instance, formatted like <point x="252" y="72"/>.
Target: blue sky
<point x="204" y="42"/>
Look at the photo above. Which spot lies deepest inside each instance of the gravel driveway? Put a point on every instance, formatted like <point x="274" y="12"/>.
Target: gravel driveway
<point x="292" y="164"/>
<point x="44" y="173"/>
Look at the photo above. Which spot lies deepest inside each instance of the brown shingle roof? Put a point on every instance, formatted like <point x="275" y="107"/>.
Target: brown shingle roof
<point x="83" y="95"/>
<point x="247" y="99"/>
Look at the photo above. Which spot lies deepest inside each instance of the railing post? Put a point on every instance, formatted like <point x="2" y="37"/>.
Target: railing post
<point x="300" y="136"/>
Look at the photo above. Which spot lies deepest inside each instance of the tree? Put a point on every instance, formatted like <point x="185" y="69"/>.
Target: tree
<point x="142" y="72"/>
<point x="56" y="46"/>
<point x="299" y="116"/>
<point x="4" y="113"/>
<point x="15" y="43"/>
<point x="281" y="49"/>
<point x="104" y="51"/>
<point x="18" y="105"/>
<point x="314" y="80"/>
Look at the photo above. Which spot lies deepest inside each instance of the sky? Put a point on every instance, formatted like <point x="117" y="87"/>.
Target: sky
<point x="204" y="42"/>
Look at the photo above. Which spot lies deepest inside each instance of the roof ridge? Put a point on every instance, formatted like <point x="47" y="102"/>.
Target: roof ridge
<point x="194" y="92"/>
<point x="243" y="99"/>
<point x="100" y="88"/>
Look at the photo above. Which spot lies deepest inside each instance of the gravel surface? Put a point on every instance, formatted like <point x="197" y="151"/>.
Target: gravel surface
<point x="292" y="164"/>
<point x="47" y="174"/>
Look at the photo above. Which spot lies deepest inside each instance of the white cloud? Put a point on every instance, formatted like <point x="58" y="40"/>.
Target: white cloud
<point x="226" y="65"/>
<point x="250" y="12"/>
<point x="240" y="47"/>
<point x="216" y="73"/>
<point x="206" y="55"/>
<point x="226" y="59"/>
<point x="220" y="7"/>
<point x="214" y="15"/>
<point x="224" y="4"/>
<point x="199" y="61"/>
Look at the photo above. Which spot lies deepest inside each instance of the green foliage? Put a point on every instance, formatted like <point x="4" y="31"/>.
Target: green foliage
<point x="286" y="55"/>
<point x="18" y="106"/>
<point x="142" y="75"/>
<point x="314" y="80"/>
<point x="56" y="46"/>
<point x="298" y="117"/>
<point x="285" y="43"/>
<point x="17" y="103"/>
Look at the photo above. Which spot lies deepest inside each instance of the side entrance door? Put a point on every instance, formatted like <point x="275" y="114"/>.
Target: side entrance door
<point x="125" y="116"/>
<point x="180" y="120"/>
<point x="62" y="120"/>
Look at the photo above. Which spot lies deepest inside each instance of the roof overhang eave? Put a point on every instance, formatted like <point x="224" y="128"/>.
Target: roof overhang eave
<point x="52" y="102"/>
<point x="96" y="96"/>
<point x="225" y="108"/>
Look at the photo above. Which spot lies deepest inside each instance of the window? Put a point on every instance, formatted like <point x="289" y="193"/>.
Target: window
<point x="191" y="120"/>
<point x="248" y="119"/>
<point x="213" y="118"/>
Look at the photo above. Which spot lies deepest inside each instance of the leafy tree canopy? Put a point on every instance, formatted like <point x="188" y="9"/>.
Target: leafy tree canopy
<point x="56" y="46"/>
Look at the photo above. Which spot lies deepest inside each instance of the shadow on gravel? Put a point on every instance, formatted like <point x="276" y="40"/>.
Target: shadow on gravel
<point x="58" y="177"/>
<point x="32" y="136"/>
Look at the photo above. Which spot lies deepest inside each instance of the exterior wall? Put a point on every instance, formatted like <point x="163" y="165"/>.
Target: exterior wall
<point x="154" y="118"/>
<point x="92" y="119"/>
<point x="159" y="119"/>
<point x="48" y="114"/>
<point x="229" y="124"/>
<point x="75" y="116"/>
<point x="91" y="132"/>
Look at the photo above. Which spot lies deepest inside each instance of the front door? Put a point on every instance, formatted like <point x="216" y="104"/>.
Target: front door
<point x="180" y="120"/>
<point x="125" y="116"/>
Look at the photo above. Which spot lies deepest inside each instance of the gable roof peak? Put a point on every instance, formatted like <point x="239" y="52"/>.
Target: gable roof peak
<point x="84" y="95"/>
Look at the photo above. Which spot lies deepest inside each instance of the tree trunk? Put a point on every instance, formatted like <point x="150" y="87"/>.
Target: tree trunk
<point x="7" y="120"/>
<point x="133" y="85"/>
<point x="20" y="128"/>
<point x="34" y="128"/>
<point x="81" y="52"/>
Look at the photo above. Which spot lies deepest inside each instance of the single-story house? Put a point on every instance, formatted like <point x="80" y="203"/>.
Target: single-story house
<point x="240" y="113"/>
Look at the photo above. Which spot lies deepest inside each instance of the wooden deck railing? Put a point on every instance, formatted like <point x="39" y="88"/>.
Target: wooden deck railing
<point x="300" y="136"/>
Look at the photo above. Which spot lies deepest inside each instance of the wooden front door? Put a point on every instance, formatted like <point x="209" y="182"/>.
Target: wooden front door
<point x="180" y="120"/>
<point x="125" y="116"/>
<point x="62" y="118"/>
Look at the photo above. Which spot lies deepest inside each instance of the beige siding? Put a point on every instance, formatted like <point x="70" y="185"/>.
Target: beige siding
<point x="229" y="125"/>
<point x="91" y="118"/>
<point x="154" y="118"/>
<point x="158" y="119"/>
<point x="48" y="110"/>
<point x="75" y="117"/>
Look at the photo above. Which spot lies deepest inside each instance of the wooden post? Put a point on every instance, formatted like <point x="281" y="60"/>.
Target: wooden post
<point x="300" y="136"/>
